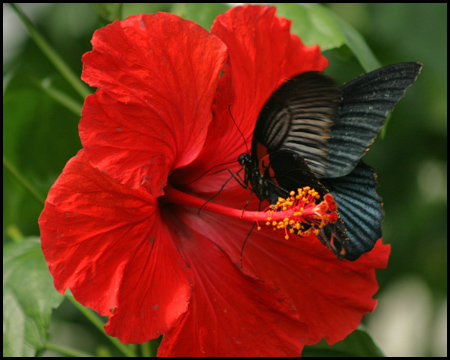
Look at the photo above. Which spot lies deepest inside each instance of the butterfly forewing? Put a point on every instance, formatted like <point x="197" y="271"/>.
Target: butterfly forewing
<point x="366" y="101"/>
<point x="298" y="117"/>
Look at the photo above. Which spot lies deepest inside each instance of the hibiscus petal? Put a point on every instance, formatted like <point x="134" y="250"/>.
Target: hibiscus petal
<point x="230" y="313"/>
<point x="104" y="242"/>
<point x="331" y="295"/>
<point x="157" y="76"/>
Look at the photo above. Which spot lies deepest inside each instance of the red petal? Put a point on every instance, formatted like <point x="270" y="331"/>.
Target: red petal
<point x="157" y="76"/>
<point x="107" y="244"/>
<point x="229" y="313"/>
<point x="331" y="295"/>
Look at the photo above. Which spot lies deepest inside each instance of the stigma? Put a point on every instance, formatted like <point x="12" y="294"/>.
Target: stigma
<point x="301" y="213"/>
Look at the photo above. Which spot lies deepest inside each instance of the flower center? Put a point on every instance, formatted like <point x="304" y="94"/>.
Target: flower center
<point x="299" y="213"/>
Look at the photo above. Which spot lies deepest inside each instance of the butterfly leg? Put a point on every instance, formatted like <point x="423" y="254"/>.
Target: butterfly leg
<point x="235" y="176"/>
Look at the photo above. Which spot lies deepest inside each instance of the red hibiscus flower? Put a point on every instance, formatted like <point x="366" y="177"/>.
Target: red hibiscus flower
<point x="121" y="227"/>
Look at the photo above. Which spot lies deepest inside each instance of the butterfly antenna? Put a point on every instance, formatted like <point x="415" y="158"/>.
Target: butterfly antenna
<point x="240" y="132"/>
<point x="207" y="171"/>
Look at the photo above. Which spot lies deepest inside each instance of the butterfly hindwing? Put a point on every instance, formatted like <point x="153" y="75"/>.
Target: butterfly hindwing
<point x="292" y="172"/>
<point x="359" y="207"/>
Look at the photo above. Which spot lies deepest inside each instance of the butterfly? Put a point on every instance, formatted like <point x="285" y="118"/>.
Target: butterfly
<point x="312" y="133"/>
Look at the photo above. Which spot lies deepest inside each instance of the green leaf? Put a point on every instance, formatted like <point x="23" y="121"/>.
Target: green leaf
<point x="358" y="343"/>
<point x="28" y="299"/>
<point x="53" y="56"/>
<point x="202" y="14"/>
<point x="315" y="24"/>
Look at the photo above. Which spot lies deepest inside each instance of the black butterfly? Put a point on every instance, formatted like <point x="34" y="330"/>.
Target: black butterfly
<point x="312" y="133"/>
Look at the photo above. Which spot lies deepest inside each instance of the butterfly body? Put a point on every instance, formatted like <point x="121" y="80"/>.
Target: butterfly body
<point x="312" y="133"/>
